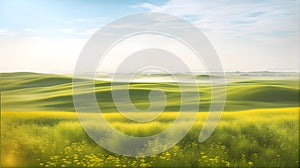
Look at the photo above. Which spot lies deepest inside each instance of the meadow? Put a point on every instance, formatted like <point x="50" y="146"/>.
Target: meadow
<point x="39" y="128"/>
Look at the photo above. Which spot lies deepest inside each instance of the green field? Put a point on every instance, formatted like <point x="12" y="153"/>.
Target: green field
<point x="259" y="127"/>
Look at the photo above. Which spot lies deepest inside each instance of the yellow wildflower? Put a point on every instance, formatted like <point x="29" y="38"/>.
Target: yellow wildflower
<point x="250" y="163"/>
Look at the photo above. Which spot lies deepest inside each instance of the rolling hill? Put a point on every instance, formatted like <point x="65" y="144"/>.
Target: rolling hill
<point x="24" y="91"/>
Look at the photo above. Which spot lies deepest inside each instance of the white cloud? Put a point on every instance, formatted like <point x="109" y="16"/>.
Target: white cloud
<point x="2" y="30"/>
<point x="90" y="31"/>
<point x="82" y="20"/>
<point x="68" y="30"/>
<point x="91" y="20"/>
<point x="5" y="32"/>
<point x="79" y="20"/>
<point x="31" y="30"/>
<point x="235" y="18"/>
<point x="248" y="34"/>
<point x="79" y="32"/>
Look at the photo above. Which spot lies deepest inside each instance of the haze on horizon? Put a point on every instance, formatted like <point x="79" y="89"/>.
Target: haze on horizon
<point x="47" y="36"/>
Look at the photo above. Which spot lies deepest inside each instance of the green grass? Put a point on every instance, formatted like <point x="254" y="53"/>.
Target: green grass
<point x="253" y="138"/>
<point x="41" y="92"/>
<point x="39" y="128"/>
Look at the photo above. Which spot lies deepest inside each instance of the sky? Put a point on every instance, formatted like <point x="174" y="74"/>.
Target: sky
<point x="250" y="35"/>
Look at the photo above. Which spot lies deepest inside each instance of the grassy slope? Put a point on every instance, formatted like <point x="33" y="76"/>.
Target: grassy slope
<point x="41" y="92"/>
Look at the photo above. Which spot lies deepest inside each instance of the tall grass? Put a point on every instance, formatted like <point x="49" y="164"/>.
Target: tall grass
<point x="252" y="138"/>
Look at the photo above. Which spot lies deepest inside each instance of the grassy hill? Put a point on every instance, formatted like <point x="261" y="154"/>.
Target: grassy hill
<point x="24" y="91"/>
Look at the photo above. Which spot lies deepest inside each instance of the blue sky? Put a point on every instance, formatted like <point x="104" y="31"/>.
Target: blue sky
<point x="52" y="17"/>
<point x="249" y="35"/>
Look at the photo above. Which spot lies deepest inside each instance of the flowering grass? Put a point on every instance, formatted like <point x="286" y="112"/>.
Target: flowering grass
<point x="250" y="138"/>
